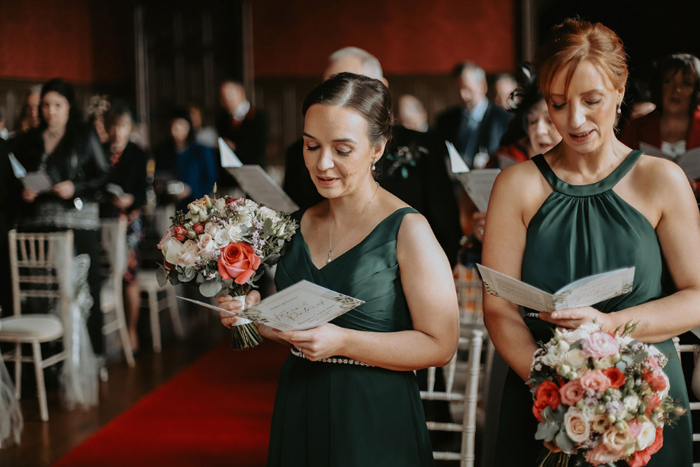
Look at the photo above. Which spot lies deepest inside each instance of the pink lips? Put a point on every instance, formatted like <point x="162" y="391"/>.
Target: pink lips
<point x="326" y="181"/>
<point x="581" y="137"/>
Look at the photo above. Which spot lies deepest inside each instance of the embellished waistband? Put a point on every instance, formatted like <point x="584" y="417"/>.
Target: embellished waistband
<point x="348" y="361"/>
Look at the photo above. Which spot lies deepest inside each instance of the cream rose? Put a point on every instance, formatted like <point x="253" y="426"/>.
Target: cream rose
<point x="171" y="250"/>
<point x="631" y="403"/>
<point x="576" y="425"/>
<point x="234" y="234"/>
<point x="207" y="248"/>
<point x="188" y="254"/>
<point x="267" y="213"/>
<point x="605" y="362"/>
<point x="616" y="440"/>
<point x="575" y="359"/>
<point x="646" y="436"/>
<point x="211" y="228"/>
<point x="221" y="239"/>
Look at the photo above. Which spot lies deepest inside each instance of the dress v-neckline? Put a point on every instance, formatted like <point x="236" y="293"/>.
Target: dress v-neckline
<point x="357" y="245"/>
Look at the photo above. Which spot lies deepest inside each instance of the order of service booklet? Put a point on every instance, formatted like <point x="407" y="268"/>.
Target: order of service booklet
<point x="301" y="306"/>
<point x="477" y="183"/>
<point x="583" y="292"/>
<point x="256" y="182"/>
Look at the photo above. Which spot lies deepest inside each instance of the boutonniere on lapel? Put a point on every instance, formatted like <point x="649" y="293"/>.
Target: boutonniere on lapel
<point x="404" y="157"/>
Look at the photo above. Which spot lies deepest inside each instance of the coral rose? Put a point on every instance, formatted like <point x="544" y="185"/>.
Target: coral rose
<point x="198" y="228"/>
<point x="572" y="392"/>
<point x="238" y="261"/>
<point x="616" y="377"/>
<point x="547" y="394"/>
<point x="595" y="380"/>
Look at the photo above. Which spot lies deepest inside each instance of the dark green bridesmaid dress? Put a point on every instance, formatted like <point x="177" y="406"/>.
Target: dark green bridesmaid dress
<point x="340" y="415"/>
<point x="578" y="231"/>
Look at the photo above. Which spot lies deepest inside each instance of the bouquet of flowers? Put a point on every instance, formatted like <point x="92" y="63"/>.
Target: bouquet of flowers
<point x="222" y="244"/>
<point x="601" y="395"/>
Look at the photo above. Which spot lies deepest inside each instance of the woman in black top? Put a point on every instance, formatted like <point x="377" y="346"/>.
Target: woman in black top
<point x="124" y="195"/>
<point x="71" y="155"/>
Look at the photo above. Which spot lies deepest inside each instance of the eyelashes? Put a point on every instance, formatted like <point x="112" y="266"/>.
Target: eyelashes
<point x="314" y="148"/>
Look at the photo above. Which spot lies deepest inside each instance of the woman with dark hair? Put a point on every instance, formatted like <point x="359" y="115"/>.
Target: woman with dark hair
<point x="364" y="242"/>
<point x="590" y="205"/>
<point x="70" y="154"/>
<point x="182" y="159"/>
<point x="125" y="194"/>
<point x="673" y="128"/>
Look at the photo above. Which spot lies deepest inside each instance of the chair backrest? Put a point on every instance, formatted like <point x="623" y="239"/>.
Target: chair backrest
<point x="114" y="245"/>
<point x="469" y="295"/>
<point x="468" y="398"/>
<point x="38" y="261"/>
<point x="694" y="406"/>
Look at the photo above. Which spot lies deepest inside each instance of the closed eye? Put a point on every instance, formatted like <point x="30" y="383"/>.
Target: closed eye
<point x="312" y="148"/>
<point x="558" y="106"/>
<point x="342" y="153"/>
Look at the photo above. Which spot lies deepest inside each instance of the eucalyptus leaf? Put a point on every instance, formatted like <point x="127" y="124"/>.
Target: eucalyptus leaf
<point x="162" y="276"/>
<point x="210" y="288"/>
<point x="565" y="443"/>
<point x="200" y="278"/>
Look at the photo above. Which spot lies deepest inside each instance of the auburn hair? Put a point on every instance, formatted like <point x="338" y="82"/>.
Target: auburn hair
<point x="574" y="41"/>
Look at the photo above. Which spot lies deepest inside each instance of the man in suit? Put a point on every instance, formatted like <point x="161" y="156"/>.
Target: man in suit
<point x="476" y="126"/>
<point x="245" y="129"/>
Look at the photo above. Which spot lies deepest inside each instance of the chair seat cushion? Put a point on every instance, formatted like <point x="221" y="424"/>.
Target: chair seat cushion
<point x="41" y="327"/>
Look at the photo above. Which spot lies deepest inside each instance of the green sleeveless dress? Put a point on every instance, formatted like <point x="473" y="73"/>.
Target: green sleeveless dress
<point x="578" y="231"/>
<point x="338" y="415"/>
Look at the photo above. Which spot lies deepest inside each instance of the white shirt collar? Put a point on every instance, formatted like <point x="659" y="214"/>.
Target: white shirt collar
<point x="241" y="111"/>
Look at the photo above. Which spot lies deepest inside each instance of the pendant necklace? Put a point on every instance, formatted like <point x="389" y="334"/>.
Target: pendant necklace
<point x="330" y="244"/>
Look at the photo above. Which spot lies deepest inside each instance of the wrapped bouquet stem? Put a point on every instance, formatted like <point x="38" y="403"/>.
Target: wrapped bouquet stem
<point x="222" y="244"/>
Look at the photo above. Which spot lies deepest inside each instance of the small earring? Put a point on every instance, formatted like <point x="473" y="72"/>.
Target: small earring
<point x="619" y="108"/>
<point x="374" y="164"/>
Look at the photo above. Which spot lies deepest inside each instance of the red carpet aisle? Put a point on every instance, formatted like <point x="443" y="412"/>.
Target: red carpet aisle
<point x="215" y="413"/>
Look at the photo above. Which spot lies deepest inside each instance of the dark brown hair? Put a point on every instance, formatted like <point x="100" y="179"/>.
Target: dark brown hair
<point x="689" y="65"/>
<point x="574" y="41"/>
<point x="369" y="97"/>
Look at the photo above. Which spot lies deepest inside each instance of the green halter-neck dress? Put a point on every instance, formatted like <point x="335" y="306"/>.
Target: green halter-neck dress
<point x="339" y="415"/>
<point x="578" y="231"/>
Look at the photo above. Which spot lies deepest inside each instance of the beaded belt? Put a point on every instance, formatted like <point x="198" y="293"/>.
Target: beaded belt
<point x="532" y="315"/>
<point x="348" y="361"/>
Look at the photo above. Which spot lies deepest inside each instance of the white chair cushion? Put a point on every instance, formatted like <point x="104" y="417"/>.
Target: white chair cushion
<point x="42" y="327"/>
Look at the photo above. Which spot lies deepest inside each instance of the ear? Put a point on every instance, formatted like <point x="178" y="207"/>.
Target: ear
<point x="621" y="95"/>
<point x="378" y="151"/>
<point x="383" y="80"/>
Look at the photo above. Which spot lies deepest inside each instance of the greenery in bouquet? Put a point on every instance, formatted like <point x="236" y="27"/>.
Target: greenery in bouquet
<point x="600" y="396"/>
<point x="221" y="244"/>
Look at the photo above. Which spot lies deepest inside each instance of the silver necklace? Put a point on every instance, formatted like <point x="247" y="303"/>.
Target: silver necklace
<point x="330" y="243"/>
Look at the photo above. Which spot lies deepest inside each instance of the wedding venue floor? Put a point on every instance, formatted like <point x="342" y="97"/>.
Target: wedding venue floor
<point x="196" y="403"/>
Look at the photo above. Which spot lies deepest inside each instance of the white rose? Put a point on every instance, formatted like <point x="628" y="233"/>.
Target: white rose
<point x="207" y="248"/>
<point x="267" y="213"/>
<point x="234" y="234"/>
<point x="211" y="228"/>
<point x="631" y="403"/>
<point x="171" y="250"/>
<point x="646" y="436"/>
<point x="577" y="427"/>
<point x="553" y="357"/>
<point x="604" y="363"/>
<point x="575" y="359"/>
<point x="188" y="254"/>
<point x="221" y="239"/>
<point x="220" y="203"/>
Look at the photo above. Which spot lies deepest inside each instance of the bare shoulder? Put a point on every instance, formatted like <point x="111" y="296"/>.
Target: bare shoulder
<point x="660" y="176"/>
<point x="521" y="184"/>
<point x="414" y="231"/>
<point x="390" y="202"/>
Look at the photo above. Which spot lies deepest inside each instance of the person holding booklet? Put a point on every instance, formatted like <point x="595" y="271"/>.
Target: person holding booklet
<point x="362" y="408"/>
<point x="588" y="206"/>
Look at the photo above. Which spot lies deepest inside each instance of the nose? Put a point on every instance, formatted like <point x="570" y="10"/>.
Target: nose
<point x="577" y="116"/>
<point x="325" y="160"/>
<point x="542" y="127"/>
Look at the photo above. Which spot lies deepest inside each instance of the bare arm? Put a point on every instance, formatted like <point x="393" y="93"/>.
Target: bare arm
<point x="503" y="248"/>
<point x="430" y="292"/>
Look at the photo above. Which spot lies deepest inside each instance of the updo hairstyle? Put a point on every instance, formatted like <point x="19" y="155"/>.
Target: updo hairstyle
<point x="369" y="97"/>
<point x="574" y="41"/>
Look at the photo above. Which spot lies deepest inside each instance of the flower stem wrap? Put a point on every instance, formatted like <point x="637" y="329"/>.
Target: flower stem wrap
<point x="244" y="334"/>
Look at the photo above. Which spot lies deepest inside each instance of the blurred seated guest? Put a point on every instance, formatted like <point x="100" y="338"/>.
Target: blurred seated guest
<point x="204" y="135"/>
<point x="502" y="86"/>
<point x="476" y="126"/>
<point x="412" y="114"/>
<point x="674" y="126"/>
<point x="245" y="129"/>
<point x="29" y="115"/>
<point x="71" y="156"/>
<point x="97" y="108"/>
<point x="182" y="159"/>
<point x="125" y="194"/>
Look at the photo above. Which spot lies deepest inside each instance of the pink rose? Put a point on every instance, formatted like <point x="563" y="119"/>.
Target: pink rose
<point x="238" y="261"/>
<point x="168" y="234"/>
<point x="577" y="427"/>
<point x="198" y="228"/>
<point x="601" y="455"/>
<point x="595" y="380"/>
<point x="180" y="233"/>
<point x="635" y="427"/>
<point x="572" y="392"/>
<point x="207" y="247"/>
<point x="600" y="344"/>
